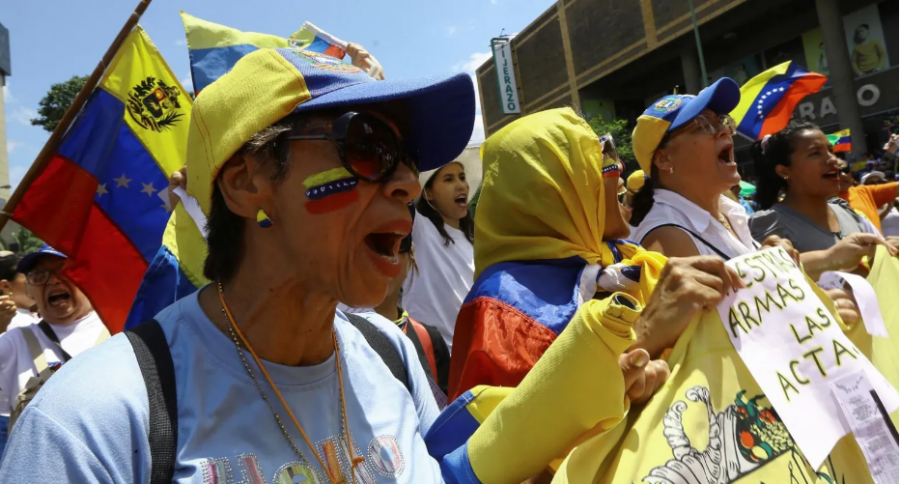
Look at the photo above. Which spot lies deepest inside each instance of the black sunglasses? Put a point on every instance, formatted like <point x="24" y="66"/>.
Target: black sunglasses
<point x="369" y="147"/>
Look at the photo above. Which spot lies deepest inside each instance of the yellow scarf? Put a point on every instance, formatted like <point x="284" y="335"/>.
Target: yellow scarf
<point x="542" y="198"/>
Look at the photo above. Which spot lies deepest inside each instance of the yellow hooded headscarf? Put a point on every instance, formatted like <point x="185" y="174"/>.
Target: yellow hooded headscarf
<point x="542" y="197"/>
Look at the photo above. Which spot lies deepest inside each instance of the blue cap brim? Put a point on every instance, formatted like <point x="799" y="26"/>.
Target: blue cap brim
<point x="29" y="260"/>
<point x="441" y="111"/>
<point x="721" y="97"/>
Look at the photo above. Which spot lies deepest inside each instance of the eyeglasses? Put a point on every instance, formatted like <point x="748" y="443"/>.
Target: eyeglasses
<point x="369" y="147"/>
<point x="715" y="125"/>
<point x="40" y="276"/>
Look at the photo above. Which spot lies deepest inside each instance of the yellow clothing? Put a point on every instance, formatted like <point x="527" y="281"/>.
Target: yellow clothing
<point x="711" y="423"/>
<point x="885" y="279"/>
<point x="868" y="56"/>
<point x="542" y="195"/>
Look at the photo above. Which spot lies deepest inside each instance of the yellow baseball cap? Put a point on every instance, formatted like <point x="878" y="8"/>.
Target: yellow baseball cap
<point x="672" y="112"/>
<point x="636" y="181"/>
<point x="267" y="85"/>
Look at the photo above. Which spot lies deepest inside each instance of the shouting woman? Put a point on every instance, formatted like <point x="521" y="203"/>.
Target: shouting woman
<point x="443" y="237"/>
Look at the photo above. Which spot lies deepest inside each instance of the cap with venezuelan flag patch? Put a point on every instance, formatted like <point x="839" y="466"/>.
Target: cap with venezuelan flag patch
<point x="267" y="85"/>
<point x="672" y="112"/>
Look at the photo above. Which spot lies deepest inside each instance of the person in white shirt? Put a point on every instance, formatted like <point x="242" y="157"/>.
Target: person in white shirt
<point x="15" y="303"/>
<point x="444" y="240"/>
<point x="681" y="210"/>
<point x="69" y="327"/>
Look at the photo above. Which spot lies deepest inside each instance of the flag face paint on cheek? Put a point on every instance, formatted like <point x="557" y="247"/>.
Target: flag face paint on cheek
<point x="330" y="190"/>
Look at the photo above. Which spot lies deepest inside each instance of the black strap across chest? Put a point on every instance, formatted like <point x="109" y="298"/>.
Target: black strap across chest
<point x="158" y="371"/>
<point x="152" y="352"/>
<point x="48" y="331"/>
<point x="692" y="234"/>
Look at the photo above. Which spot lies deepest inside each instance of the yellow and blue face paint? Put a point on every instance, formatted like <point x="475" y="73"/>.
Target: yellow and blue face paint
<point x="330" y="190"/>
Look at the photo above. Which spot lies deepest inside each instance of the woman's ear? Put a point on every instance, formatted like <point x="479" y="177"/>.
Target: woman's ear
<point x="783" y="172"/>
<point x="427" y="194"/>
<point x="662" y="161"/>
<point x="244" y="186"/>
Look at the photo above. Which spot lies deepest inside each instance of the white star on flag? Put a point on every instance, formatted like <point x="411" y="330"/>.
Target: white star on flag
<point x="101" y="190"/>
<point x="148" y="189"/>
<point x="122" y="181"/>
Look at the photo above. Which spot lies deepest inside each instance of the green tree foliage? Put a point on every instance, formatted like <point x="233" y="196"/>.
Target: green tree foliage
<point x="58" y="99"/>
<point x="23" y="242"/>
<point x="620" y="132"/>
<point x="474" y="202"/>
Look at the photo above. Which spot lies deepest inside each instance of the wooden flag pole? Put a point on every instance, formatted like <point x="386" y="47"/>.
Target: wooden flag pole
<point x="43" y="158"/>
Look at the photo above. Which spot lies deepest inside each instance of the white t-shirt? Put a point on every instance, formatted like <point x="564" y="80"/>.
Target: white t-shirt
<point x="890" y="225"/>
<point x="17" y="366"/>
<point x="671" y="208"/>
<point x="22" y="318"/>
<point x="434" y="294"/>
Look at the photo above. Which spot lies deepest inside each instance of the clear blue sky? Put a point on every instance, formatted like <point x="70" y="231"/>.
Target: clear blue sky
<point x="52" y="40"/>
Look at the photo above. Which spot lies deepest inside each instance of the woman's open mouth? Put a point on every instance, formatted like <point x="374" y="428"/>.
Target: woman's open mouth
<point x="58" y="298"/>
<point x="833" y="176"/>
<point x="462" y="200"/>
<point x="385" y="244"/>
<point x="726" y="156"/>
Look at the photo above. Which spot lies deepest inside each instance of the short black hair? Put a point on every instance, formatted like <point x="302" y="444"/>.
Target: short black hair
<point x="776" y="151"/>
<point x="8" y="265"/>
<point x="225" y="229"/>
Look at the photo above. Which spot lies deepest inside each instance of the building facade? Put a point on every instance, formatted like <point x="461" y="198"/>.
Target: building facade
<point x="5" y="71"/>
<point x="614" y="57"/>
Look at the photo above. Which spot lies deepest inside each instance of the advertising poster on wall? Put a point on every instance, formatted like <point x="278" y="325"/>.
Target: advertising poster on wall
<point x="865" y="44"/>
<point x="865" y="41"/>
<point x="814" y="49"/>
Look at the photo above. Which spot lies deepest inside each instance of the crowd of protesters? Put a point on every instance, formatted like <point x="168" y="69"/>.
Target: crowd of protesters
<point x="330" y="342"/>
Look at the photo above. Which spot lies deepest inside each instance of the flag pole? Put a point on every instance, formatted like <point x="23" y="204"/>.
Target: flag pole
<point x="43" y="158"/>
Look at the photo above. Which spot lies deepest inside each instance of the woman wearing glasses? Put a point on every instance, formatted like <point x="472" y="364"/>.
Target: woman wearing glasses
<point x="30" y="355"/>
<point x="304" y="167"/>
<point x="684" y="143"/>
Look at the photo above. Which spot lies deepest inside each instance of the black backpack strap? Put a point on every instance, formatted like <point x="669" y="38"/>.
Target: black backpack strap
<point x="48" y="331"/>
<point x="692" y="234"/>
<point x="382" y="345"/>
<point x="152" y="352"/>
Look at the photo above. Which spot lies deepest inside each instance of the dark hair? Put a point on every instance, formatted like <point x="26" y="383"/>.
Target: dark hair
<point x="466" y="224"/>
<point x="778" y="149"/>
<point x="8" y="265"/>
<point x="225" y="229"/>
<point x="643" y="199"/>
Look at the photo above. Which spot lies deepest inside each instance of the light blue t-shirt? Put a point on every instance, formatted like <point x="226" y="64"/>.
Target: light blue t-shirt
<point x="90" y="422"/>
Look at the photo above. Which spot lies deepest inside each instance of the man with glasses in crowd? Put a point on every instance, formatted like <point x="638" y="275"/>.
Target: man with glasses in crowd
<point x="30" y="355"/>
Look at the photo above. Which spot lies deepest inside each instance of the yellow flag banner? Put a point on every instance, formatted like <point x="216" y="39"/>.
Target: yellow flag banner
<point x="711" y="423"/>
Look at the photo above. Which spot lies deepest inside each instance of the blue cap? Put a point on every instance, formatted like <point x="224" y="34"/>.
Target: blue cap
<point x="27" y="263"/>
<point x="672" y="112"/>
<point x="266" y="85"/>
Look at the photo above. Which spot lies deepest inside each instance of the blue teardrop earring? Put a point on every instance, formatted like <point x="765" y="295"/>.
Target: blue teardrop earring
<point x="263" y="220"/>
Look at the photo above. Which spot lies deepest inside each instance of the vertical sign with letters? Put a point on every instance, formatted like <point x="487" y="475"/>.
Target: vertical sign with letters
<point x="506" y="75"/>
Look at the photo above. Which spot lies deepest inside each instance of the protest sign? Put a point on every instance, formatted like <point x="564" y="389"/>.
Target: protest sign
<point x="794" y="349"/>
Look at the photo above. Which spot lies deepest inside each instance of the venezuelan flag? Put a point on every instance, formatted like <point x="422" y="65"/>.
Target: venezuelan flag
<point x="214" y="48"/>
<point x="98" y="199"/>
<point x="840" y="141"/>
<point x="177" y="268"/>
<point x="769" y="99"/>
